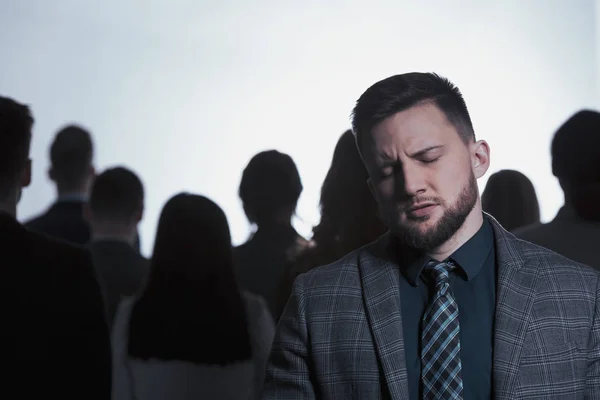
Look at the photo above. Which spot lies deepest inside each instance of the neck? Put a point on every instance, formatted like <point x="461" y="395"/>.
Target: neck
<point x="277" y="221"/>
<point x="104" y="231"/>
<point x="63" y="190"/>
<point x="468" y="229"/>
<point x="72" y="194"/>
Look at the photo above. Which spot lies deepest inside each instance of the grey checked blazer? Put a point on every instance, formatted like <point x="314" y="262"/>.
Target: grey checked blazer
<point x="340" y="336"/>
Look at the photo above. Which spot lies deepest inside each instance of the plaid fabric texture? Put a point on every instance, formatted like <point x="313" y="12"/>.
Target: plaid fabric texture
<point x="340" y="336"/>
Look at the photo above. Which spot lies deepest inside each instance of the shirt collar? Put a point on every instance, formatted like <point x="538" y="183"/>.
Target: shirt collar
<point x="470" y="257"/>
<point x="70" y="197"/>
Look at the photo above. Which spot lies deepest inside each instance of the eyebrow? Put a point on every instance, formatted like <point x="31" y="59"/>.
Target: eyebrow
<point x="425" y="150"/>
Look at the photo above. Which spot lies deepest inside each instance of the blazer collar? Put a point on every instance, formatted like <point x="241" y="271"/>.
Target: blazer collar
<point x="380" y="280"/>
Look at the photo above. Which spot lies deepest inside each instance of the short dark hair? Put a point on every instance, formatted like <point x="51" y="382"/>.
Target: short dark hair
<point x="401" y="92"/>
<point x="270" y="184"/>
<point x="117" y="193"/>
<point x="16" y="122"/>
<point x="575" y="148"/>
<point x="71" y="154"/>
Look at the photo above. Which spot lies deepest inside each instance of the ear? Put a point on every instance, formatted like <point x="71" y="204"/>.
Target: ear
<point x="26" y="174"/>
<point x="480" y="157"/>
<point x="139" y="214"/>
<point x="91" y="176"/>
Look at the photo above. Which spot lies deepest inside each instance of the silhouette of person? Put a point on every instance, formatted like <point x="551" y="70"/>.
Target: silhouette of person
<point x="191" y="333"/>
<point x="55" y="338"/>
<point x="349" y="217"/>
<point x="269" y="190"/>
<point x="575" y="231"/>
<point x="115" y="209"/>
<point x="72" y="172"/>
<point x="509" y="196"/>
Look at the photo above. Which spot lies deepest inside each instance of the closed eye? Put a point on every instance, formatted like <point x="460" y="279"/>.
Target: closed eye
<point x="385" y="172"/>
<point x="430" y="160"/>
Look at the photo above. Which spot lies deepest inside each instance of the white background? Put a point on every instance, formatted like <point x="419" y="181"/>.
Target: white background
<point x="185" y="92"/>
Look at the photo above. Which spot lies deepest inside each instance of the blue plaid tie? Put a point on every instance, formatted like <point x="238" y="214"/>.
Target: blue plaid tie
<point x="440" y="345"/>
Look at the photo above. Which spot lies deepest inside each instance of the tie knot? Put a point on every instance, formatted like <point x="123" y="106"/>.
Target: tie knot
<point x="439" y="271"/>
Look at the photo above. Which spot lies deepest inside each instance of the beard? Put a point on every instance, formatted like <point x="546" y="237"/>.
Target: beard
<point x="449" y="223"/>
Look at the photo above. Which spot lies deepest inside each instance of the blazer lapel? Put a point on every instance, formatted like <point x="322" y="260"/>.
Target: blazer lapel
<point x="379" y="276"/>
<point x="516" y="292"/>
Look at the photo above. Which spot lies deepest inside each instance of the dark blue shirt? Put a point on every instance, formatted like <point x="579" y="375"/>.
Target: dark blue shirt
<point x="473" y="284"/>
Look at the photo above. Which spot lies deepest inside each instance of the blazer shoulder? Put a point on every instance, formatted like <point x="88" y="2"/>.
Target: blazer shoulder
<point x="55" y="246"/>
<point x="35" y="221"/>
<point x="58" y="257"/>
<point x="343" y="271"/>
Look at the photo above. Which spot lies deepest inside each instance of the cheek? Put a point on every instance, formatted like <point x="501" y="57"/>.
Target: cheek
<point x="450" y="182"/>
<point x="384" y="191"/>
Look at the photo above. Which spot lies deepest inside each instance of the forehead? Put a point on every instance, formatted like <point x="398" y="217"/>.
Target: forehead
<point x="412" y="130"/>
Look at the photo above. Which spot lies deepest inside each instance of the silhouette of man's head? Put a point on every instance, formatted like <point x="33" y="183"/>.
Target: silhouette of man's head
<point x="576" y="164"/>
<point x="418" y="144"/>
<point x="117" y="197"/>
<point x="510" y="197"/>
<point x="16" y="123"/>
<point x="71" y="156"/>
<point x="270" y="188"/>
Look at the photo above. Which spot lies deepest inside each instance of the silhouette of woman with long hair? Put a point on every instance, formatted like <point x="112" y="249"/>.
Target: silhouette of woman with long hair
<point x="191" y="333"/>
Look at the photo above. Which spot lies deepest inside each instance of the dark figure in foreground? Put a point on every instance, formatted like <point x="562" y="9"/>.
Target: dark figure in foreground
<point x="55" y="339"/>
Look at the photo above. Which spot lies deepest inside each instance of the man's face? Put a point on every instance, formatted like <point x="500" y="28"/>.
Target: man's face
<point x="423" y="175"/>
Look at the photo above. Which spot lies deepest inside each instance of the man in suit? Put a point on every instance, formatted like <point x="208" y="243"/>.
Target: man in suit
<point x="447" y="305"/>
<point x="114" y="211"/>
<point x="54" y="338"/>
<point x="575" y="231"/>
<point x="72" y="172"/>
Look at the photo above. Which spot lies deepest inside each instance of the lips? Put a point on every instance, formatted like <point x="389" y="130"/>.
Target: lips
<point x="420" y="206"/>
<point x="421" y="210"/>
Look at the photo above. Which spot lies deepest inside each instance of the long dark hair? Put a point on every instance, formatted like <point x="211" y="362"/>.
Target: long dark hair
<point x="509" y="196"/>
<point x="191" y="308"/>
<point x="349" y="217"/>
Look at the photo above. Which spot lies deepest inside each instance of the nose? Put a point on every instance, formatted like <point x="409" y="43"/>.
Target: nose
<point x="412" y="181"/>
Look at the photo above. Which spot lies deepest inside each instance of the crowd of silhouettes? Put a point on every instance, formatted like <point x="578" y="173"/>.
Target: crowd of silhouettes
<point x="197" y="318"/>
